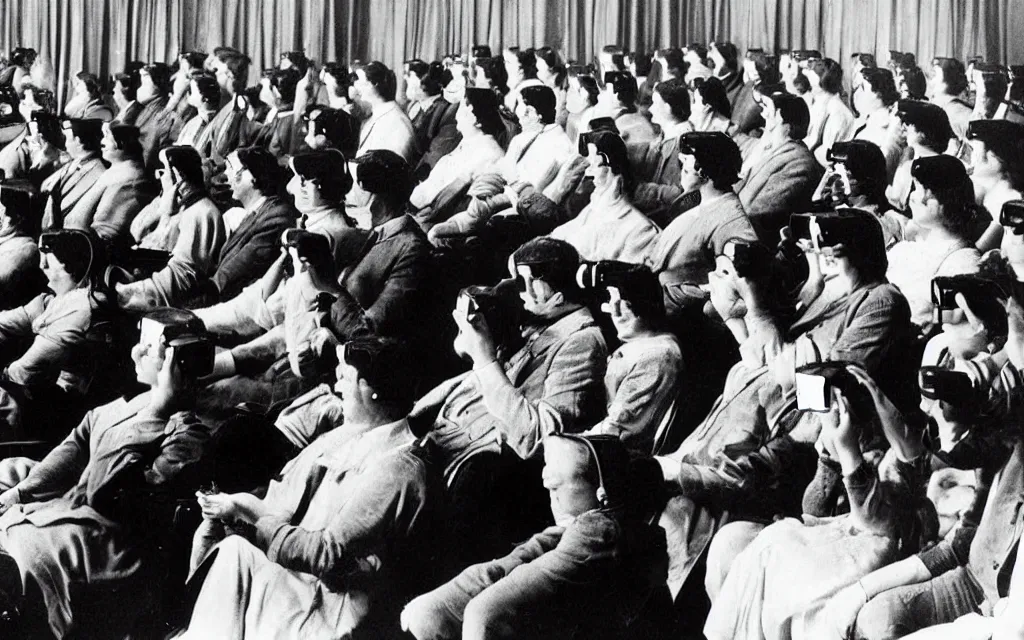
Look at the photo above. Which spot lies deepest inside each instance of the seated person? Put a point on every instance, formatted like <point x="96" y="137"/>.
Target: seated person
<point x="876" y="123"/>
<point x="338" y="542"/>
<point x="491" y="420"/>
<point x="20" y="278"/>
<point x="685" y="251"/>
<point x="328" y="128"/>
<point x="87" y="101"/>
<point x="780" y="174"/>
<point x="158" y="126"/>
<point x="588" y="576"/>
<point x="533" y="157"/>
<point x="75" y="523"/>
<point x="856" y="178"/>
<point x="120" y="193"/>
<point x="225" y="132"/>
<point x="644" y="376"/>
<point x="277" y="134"/>
<point x="711" y="109"/>
<point x="831" y="119"/>
<point x="183" y="221"/>
<point x="255" y="179"/>
<point x="617" y="100"/>
<point x="751" y="452"/>
<point x="946" y="83"/>
<point x="927" y="132"/>
<point x="782" y="582"/>
<point x="387" y="126"/>
<point x="997" y="171"/>
<point x="943" y="216"/>
<point x="67" y="186"/>
<point x="609" y="227"/>
<point x="658" y="166"/>
<point x="479" y="123"/>
<point x="55" y="326"/>
<point x="427" y="110"/>
<point x="203" y="96"/>
<point x="37" y="152"/>
<point x="746" y="112"/>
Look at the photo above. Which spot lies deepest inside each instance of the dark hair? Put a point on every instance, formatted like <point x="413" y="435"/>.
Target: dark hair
<point x="17" y="201"/>
<point x="643" y="62"/>
<point x="328" y="168"/>
<point x="548" y="55"/>
<point x="23" y="57"/>
<point x="716" y="154"/>
<point x="541" y="98"/>
<point x="623" y="86"/>
<point x="712" y="92"/>
<point x="341" y="76"/>
<point x="160" y="74"/>
<point x="553" y="261"/>
<point x="947" y="180"/>
<point x="913" y="78"/>
<point x="88" y="131"/>
<point x="882" y="84"/>
<point x="867" y="254"/>
<point x="387" y="175"/>
<point x="674" y="61"/>
<point x="430" y="75"/>
<point x="930" y="121"/>
<point x="127" y="138"/>
<point x="340" y="128"/>
<point x="794" y="112"/>
<point x="266" y="172"/>
<point x="285" y="81"/>
<point x="612" y="147"/>
<point x="80" y="251"/>
<point x="527" y="62"/>
<point x="800" y="82"/>
<point x="486" y="110"/>
<point x="238" y="64"/>
<point x="677" y="96"/>
<point x="382" y="78"/>
<point x="730" y="54"/>
<point x="195" y="59"/>
<point x="92" y="84"/>
<point x="43" y="97"/>
<point x="49" y="128"/>
<point x="387" y="366"/>
<point x="700" y="50"/>
<point x="995" y="91"/>
<point x="186" y="160"/>
<point x="953" y="74"/>
<point x="589" y="85"/>
<point x="830" y="74"/>
<point x="494" y="70"/>
<point x="865" y="163"/>
<point x="298" y="59"/>
<point x="209" y="90"/>
<point x="129" y="85"/>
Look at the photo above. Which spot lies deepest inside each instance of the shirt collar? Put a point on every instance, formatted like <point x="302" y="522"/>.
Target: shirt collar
<point x="390" y="228"/>
<point x="256" y="205"/>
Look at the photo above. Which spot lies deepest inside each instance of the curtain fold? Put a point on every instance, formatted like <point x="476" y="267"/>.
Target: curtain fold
<point x="102" y="35"/>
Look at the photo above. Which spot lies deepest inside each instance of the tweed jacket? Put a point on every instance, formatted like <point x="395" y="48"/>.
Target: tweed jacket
<point x="114" y="201"/>
<point x="782" y="182"/>
<point x="67" y="186"/>
<point x="253" y="247"/>
<point x="429" y="122"/>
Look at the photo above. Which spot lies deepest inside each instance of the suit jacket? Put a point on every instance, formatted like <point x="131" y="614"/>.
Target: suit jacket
<point x="733" y="86"/>
<point x="113" y="202"/>
<point x="658" y="171"/>
<point x="67" y="186"/>
<point x="130" y="114"/>
<point x="428" y="123"/>
<point x="223" y="135"/>
<point x="253" y="247"/>
<point x="386" y="291"/>
<point x="159" y="128"/>
<point x="781" y="183"/>
<point x="278" y="136"/>
<point x="94" y="110"/>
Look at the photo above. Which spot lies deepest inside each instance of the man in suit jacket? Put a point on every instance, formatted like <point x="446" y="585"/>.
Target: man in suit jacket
<point x="120" y="193"/>
<point x="278" y="134"/>
<point x="225" y="131"/>
<point x="64" y="188"/>
<point x="254" y="177"/>
<point x="427" y="109"/>
<point x="656" y="163"/>
<point x="780" y="174"/>
<point x="158" y="126"/>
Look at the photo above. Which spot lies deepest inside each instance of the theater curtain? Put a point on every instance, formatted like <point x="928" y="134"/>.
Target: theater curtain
<point x="101" y="35"/>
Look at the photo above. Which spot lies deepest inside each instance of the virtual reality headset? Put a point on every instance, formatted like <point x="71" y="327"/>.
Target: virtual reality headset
<point x="815" y="383"/>
<point x="193" y="348"/>
<point x="984" y="296"/>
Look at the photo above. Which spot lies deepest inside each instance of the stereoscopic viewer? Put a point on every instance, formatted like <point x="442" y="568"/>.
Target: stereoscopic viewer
<point x="193" y="348"/>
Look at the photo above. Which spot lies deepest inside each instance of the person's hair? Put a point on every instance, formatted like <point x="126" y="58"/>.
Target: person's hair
<point x="129" y="85"/>
<point x="92" y="84"/>
<point x="589" y="86"/>
<point x="643" y="62"/>
<point x="127" y="138"/>
<point x="382" y="78"/>
<point x="553" y="261"/>
<point x="187" y="162"/>
<point x="430" y="75"/>
<point x="830" y="74"/>
<point x="867" y="254"/>
<point x="266" y="173"/>
<point x="298" y="59"/>
<point x="947" y="180"/>
<point x="49" y="128"/>
<point x="527" y="62"/>
<point x="882" y="84"/>
<point x="328" y="168"/>
<point x="160" y="74"/>
<point x="548" y="55"/>
<point x="930" y="121"/>
<point x="611" y="146"/>
<point x="17" y="201"/>
<point x="195" y="59"/>
<point x="639" y="286"/>
<point x="541" y="98"/>
<point x="387" y="366"/>
<point x="624" y="87"/>
<point x="209" y="90"/>
<point x="794" y="112"/>
<point x="953" y="74"/>
<point x="700" y="50"/>
<point x="481" y="51"/>
<point x="677" y="96"/>
<point x="341" y="76"/>
<point x="45" y="98"/>
<point x="717" y="156"/>
<point x="713" y="93"/>
<point x="767" y="67"/>
<point x="486" y="110"/>
<point x="1004" y="140"/>
<point x="237" y="63"/>
<point x="915" y="81"/>
<point x="340" y="128"/>
<point x="285" y="81"/>
<point x="995" y="91"/>
<point x="865" y="163"/>
<point x="800" y="82"/>
<point x="387" y="175"/>
<point x="729" y="53"/>
<point x="89" y="132"/>
<point x="674" y="61"/>
<point x="494" y="70"/>
<point x="23" y="57"/>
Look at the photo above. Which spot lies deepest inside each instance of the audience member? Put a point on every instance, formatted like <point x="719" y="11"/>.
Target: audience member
<point x="927" y="133"/>
<point x="617" y="100"/>
<point x="277" y="133"/>
<point x="657" y="167"/>
<point x="875" y="121"/>
<point x="947" y="81"/>
<point x="710" y="110"/>
<point x="997" y="171"/>
<point x="831" y="120"/>
<point x="87" y="102"/>
<point x="20" y="278"/>
<point x="68" y="186"/>
<point x="757" y="69"/>
<point x="204" y="97"/>
<point x="427" y="110"/>
<point x="725" y="58"/>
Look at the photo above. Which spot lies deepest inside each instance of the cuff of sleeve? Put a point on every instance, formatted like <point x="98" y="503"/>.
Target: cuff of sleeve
<point x="489" y="373"/>
<point x="266" y="528"/>
<point x="690" y="480"/>
<point x="862" y="476"/>
<point x="939" y="559"/>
